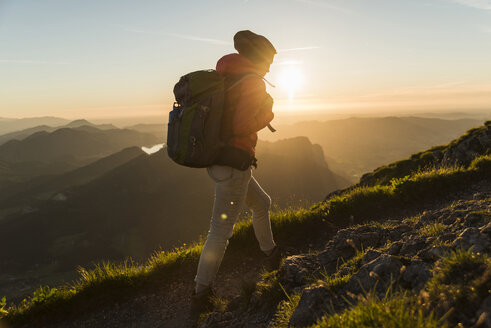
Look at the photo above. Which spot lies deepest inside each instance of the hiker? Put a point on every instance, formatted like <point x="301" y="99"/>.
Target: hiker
<point x="248" y="109"/>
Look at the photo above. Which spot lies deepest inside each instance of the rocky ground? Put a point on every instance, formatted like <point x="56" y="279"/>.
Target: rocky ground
<point x="403" y="254"/>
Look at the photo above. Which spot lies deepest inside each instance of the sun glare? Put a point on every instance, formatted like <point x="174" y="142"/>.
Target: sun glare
<point x="291" y="79"/>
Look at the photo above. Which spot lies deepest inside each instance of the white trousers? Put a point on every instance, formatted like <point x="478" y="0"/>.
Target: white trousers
<point x="233" y="189"/>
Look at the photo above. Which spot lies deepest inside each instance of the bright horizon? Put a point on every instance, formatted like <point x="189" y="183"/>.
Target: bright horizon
<point x="102" y="59"/>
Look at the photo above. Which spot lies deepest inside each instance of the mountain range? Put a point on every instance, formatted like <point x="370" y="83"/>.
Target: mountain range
<point x="64" y="149"/>
<point x="355" y="146"/>
<point x="22" y="134"/>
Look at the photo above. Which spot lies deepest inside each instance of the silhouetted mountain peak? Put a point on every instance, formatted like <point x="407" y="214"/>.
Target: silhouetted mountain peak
<point x="78" y="123"/>
<point x="36" y="135"/>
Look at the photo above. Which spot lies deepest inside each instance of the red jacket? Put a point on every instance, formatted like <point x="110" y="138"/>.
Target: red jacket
<point x="248" y="107"/>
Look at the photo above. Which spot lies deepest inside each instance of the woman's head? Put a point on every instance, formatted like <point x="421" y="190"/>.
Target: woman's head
<point x="256" y="48"/>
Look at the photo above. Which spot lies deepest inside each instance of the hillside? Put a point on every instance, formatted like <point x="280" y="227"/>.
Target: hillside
<point x="425" y="238"/>
<point x="459" y="152"/>
<point x="29" y="194"/>
<point x="356" y="146"/>
<point x="62" y="150"/>
<point x="137" y="207"/>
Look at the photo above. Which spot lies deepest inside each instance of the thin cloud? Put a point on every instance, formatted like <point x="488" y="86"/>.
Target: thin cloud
<point x="326" y="5"/>
<point x="197" y="38"/>
<point x="479" y="4"/>
<point x="31" y="62"/>
<point x="180" y="36"/>
<point x="298" y="49"/>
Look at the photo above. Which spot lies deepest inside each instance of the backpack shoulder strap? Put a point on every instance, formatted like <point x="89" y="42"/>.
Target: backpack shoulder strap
<point x="245" y="76"/>
<point x="242" y="78"/>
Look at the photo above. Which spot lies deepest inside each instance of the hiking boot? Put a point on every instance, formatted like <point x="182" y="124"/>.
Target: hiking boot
<point x="200" y="303"/>
<point x="273" y="260"/>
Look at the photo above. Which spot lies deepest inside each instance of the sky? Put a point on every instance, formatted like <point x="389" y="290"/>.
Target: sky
<point x="121" y="58"/>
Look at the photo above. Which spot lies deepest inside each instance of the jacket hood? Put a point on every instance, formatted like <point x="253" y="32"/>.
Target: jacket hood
<point x="235" y="64"/>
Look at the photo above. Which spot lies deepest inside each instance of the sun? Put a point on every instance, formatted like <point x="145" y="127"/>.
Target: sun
<point x="291" y="80"/>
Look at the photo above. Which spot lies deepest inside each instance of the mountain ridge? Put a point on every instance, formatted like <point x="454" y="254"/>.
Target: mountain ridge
<point x="63" y="149"/>
<point x="22" y="134"/>
<point x="9" y="125"/>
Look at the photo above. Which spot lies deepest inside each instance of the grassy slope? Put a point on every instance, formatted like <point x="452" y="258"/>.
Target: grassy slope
<point x="418" y="161"/>
<point x="115" y="280"/>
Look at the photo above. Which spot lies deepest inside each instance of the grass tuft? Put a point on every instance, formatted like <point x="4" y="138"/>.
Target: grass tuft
<point x="3" y="304"/>
<point x="284" y="311"/>
<point x="461" y="280"/>
<point x="432" y="229"/>
<point x="400" y="310"/>
<point x="269" y="288"/>
<point x="462" y="265"/>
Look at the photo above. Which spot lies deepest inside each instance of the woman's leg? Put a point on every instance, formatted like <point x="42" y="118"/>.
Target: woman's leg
<point x="260" y="203"/>
<point x="230" y="193"/>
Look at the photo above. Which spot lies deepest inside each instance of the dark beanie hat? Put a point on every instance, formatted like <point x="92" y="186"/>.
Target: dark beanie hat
<point x="255" y="47"/>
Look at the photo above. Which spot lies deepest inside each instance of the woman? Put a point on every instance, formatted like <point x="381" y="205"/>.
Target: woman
<point x="248" y="109"/>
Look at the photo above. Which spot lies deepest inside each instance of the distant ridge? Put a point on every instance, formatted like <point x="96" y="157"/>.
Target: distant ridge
<point x="62" y="150"/>
<point x="81" y="142"/>
<point x="22" y="134"/>
<point x="158" y="130"/>
<point x="82" y="122"/>
<point x="9" y="125"/>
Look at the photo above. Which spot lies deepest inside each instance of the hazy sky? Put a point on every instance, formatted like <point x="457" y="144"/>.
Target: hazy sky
<point x="103" y="58"/>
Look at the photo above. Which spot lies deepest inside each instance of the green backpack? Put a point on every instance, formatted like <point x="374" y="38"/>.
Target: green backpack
<point x="193" y="135"/>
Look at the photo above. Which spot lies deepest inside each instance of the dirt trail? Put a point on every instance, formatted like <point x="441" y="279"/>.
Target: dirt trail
<point x="167" y="304"/>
